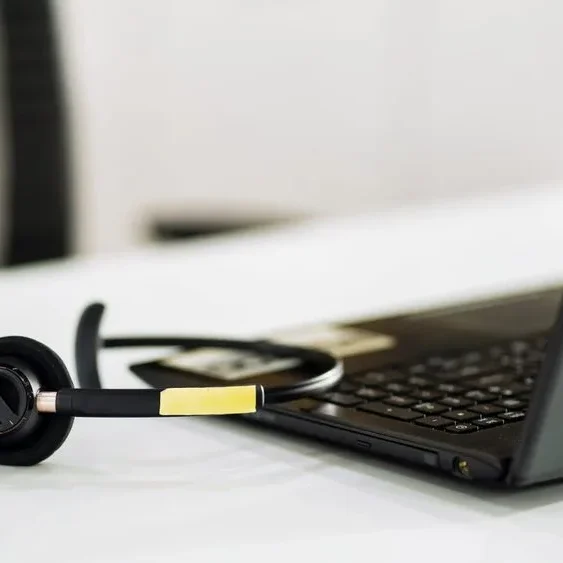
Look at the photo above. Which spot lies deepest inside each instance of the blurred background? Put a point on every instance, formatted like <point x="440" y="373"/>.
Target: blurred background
<point x="126" y="122"/>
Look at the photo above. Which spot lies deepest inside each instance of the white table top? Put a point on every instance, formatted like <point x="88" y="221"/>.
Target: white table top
<point x="201" y="490"/>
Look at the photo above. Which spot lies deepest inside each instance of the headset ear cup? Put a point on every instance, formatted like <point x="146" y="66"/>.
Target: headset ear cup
<point x="50" y="431"/>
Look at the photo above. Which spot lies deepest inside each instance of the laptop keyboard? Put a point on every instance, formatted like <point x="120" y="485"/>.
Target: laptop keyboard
<point x="458" y="393"/>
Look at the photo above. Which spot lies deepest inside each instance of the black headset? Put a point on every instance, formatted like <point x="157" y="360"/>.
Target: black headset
<point x="38" y="401"/>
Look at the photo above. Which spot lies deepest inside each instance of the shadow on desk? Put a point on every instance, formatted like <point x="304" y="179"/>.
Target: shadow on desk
<point x="238" y="456"/>
<point x="416" y="480"/>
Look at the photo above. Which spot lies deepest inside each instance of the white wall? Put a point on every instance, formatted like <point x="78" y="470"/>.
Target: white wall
<point x="315" y="105"/>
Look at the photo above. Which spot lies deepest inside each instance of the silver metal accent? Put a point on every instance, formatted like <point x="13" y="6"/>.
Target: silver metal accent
<point x="34" y="382"/>
<point x="337" y="372"/>
<point x="46" y="401"/>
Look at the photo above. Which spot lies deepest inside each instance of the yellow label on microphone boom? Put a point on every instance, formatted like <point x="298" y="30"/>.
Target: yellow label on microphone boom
<point x="208" y="400"/>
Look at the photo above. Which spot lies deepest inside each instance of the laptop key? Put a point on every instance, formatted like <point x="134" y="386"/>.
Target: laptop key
<point x="450" y="388"/>
<point x="513" y="389"/>
<point x="464" y="372"/>
<point x="419" y="381"/>
<point x="398" y="401"/>
<point x="511" y="403"/>
<point x="461" y="428"/>
<point x="371" y="394"/>
<point x="450" y="364"/>
<point x="461" y="416"/>
<point x="390" y="411"/>
<point x="341" y="399"/>
<point x="488" y="422"/>
<point x="430" y="408"/>
<point x="528" y="382"/>
<point x="418" y="369"/>
<point x="496" y="389"/>
<point x="472" y="358"/>
<point x="500" y="390"/>
<point x="397" y="388"/>
<point x="512" y="416"/>
<point x="454" y="402"/>
<point x="433" y="421"/>
<point x="487" y="381"/>
<point x="446" y="375"/>
<point x="486" y="409"/>
<point x="379" y="378"/>
<point x="426" y="394"/>
<point x="519" y="347"/>
<point x="472" y="370"/>
<point x="346" y="386"/>
<point x="479" y="396"/>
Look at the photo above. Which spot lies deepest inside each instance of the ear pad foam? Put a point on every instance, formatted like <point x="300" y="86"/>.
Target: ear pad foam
<point x="36" y="361"/>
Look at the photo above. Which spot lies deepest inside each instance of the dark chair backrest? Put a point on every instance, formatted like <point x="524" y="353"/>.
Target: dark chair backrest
<point x="37" y="198"/>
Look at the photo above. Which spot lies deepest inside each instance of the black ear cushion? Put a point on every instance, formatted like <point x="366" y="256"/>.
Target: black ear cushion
<point x="51" y="430"/>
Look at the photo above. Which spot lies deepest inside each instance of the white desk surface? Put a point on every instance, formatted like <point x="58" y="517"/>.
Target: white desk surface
<point x="202" y="490"/>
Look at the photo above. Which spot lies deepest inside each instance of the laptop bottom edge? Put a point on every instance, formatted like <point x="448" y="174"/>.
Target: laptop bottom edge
<point x="480" y="469"/>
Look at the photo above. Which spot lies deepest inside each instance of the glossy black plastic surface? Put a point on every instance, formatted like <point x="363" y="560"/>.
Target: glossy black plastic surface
<point x="539" y="456"/>
<point x="16" y="400"/>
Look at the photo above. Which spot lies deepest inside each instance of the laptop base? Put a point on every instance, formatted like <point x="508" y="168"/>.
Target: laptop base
<point x="449" y="390"/>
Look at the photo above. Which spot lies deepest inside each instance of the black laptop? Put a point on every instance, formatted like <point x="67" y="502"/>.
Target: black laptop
<point x="474" y="390"/>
